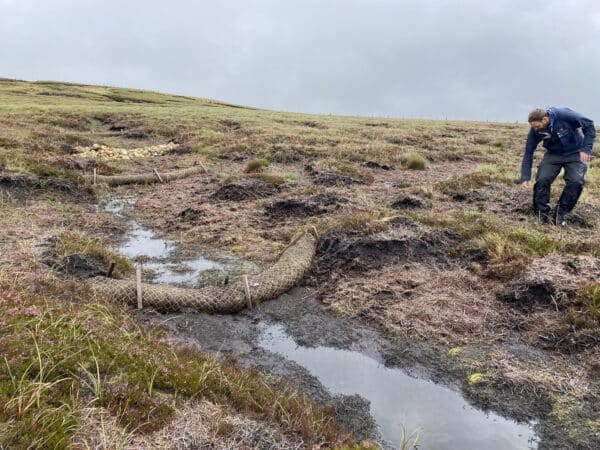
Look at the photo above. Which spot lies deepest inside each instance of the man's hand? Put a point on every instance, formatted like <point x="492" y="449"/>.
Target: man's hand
<point x="526" y="184"/>
<point x="585" y="157"/>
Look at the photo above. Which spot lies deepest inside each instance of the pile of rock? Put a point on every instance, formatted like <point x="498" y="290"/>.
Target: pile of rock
<point x="97" y="151"/>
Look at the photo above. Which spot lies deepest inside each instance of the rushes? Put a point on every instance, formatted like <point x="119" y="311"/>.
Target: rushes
<point x="414" y="161"/>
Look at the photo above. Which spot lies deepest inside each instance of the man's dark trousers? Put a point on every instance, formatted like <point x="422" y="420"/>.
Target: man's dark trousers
<point x="547" y="172"/>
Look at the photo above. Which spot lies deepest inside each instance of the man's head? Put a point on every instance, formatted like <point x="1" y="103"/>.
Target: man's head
<point x="539" y="119"/>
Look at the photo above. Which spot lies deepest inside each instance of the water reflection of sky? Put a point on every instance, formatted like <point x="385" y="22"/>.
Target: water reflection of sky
<point x="143" y="243"/>
<point x="445" y="419"/>
<point x="170" y="273"/>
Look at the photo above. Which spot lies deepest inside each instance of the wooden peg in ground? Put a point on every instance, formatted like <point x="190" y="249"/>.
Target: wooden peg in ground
<point x="203" y="168"/>
<point x="158" y="175"/>
<point x="138" y="279"/>
<point x="247" y="289"/>
<point x="110" y="270"/>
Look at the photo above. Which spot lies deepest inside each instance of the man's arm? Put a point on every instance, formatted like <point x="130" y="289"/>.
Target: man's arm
<point x="586" y="125"/>
<point x="533" y="139"/>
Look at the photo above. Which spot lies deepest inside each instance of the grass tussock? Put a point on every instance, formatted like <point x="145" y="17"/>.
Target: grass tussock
<point x="71" y="242"/>
<point x="256" y="165"/>
<point x="499" y="143"/>
<point x="413" y="161"/>
<point x="270" y="178"/>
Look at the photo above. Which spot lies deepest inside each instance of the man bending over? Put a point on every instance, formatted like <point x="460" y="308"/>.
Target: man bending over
<point x="567" y="138"/>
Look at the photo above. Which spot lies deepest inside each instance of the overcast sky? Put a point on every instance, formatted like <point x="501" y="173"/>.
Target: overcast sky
<point x="452" y="59"/>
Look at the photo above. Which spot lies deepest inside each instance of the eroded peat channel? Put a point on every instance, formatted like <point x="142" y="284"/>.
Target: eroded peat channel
<point x="334" y="360"/>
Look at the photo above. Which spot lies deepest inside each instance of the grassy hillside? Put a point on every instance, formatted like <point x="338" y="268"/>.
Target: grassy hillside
<point x="468" y="270"/>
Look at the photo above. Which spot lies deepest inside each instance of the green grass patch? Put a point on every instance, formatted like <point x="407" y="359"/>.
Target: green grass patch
<point x="290" y="177"/>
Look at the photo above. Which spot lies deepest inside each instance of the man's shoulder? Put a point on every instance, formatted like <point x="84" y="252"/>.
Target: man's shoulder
<point x="560" y="111"/>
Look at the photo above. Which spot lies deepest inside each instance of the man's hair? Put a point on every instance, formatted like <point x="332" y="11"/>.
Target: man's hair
<point x="536" y="115"/>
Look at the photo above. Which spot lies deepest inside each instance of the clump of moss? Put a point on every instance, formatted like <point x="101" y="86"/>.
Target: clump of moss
<point x="135" y="407"/>
<point x="475" y="378"/>
<point x="256" y="165"/>
<point x="414" y="161"/>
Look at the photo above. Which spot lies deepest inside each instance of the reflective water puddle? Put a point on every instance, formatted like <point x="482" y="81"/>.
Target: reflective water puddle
<point x="142" y="243"/>
<point x="403" y="405"/>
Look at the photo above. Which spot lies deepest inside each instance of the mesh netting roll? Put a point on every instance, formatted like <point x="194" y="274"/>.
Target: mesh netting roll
<point x="115" y="180"/>
<point x="269" y="284"/>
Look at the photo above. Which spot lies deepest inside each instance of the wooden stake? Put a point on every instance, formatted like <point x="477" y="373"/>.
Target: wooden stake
<point x="94" y="175"/>
<point x="158" y="175"/>
<point x="247" y="289"/>
<point x="111" y="267"/>
<point x="138" y="279"/>
<point x="203" y="168"/>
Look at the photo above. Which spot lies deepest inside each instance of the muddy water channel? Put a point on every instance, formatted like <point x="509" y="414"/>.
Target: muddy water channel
<point x="333" y="360"/>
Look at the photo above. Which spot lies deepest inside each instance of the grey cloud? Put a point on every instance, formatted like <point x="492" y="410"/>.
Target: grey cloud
<point x="432" y="59"/>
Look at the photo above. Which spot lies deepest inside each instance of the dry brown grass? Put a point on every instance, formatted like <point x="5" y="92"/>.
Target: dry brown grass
<point x="449" y="306"/>
<point x="196" y="424"/>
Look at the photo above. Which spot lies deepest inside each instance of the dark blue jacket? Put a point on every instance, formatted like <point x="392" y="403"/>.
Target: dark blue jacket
<point x="568" y="132"/>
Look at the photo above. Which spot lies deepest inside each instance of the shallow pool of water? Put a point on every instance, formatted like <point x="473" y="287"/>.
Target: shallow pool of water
<point x="403" y="405"/>
<point x="140" y="242"/>
<point x="186" y="272"/>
